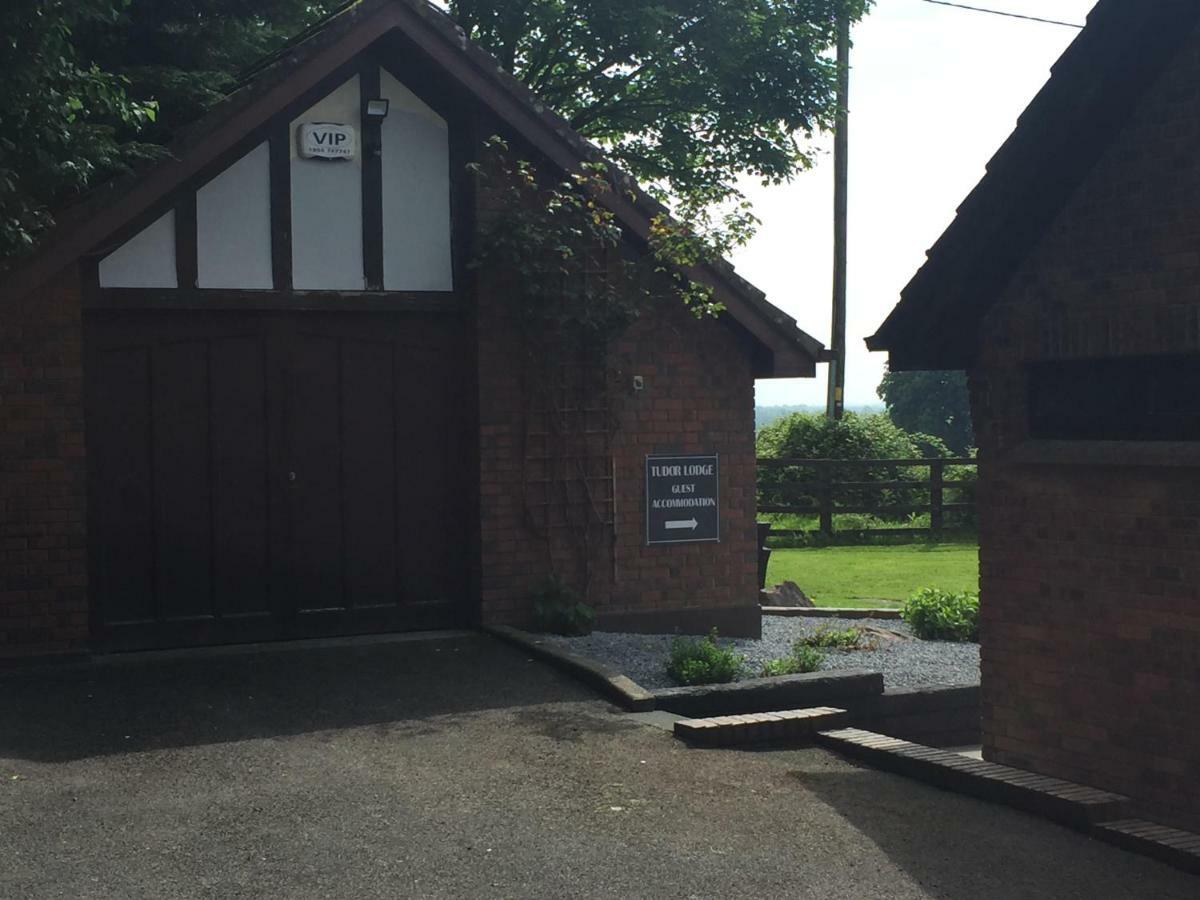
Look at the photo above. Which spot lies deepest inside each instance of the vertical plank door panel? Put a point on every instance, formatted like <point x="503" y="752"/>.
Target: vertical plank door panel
<point x="121" y="487"/>
<point x="369" y="472"/>
<point x="434" y="530"/>
<point x="241" y="476"/>
<point x="314" y="464"/>
<point x="183" y="524"/>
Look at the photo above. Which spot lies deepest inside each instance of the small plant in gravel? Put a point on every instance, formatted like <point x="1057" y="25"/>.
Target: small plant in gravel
<point x="557" y="609"/>
<point x="937" y="615"/>
<point x="703" y="661"/>
<point x="832" y="639"/>
<point x="803" y="659"/>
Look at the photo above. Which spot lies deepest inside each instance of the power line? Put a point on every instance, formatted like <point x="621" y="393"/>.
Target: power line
<point x="997" y="12"/>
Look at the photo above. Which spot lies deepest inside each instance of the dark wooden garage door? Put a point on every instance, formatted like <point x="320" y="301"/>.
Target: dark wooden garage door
<point x="270" y="475"/>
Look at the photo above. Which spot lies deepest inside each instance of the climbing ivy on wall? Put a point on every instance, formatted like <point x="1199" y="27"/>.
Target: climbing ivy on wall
<point x="574" y="281"/>
<point x="568" y="252"/>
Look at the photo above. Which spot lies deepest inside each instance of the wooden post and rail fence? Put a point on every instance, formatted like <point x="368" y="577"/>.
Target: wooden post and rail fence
<point x="830" y="487"/>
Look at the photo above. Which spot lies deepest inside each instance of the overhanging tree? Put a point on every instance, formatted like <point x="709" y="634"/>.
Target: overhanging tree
<point x="687" y="95"/>
<point x="186" y="55"/>
<point x="90" y="87"/>
<point x="60" y="113"/>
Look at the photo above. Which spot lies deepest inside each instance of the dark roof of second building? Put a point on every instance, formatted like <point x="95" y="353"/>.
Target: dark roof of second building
<point x="1058" y="140"/>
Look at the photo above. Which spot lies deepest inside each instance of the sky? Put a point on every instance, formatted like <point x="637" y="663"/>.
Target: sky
<point x="934" y="93"/>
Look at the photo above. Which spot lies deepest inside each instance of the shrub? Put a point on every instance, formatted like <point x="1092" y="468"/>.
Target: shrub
<point x="811" y="436"/>
<point x="802" y="659"/>
<point x="557" y="609"/>
<point x="826" y="637"/>
<point x="937" y="615"/>
<point x="703" y="661"/>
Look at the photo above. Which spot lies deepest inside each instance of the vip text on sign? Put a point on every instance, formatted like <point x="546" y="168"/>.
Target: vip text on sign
<point x="683" y="501"/>
<point x="325" y="140"/>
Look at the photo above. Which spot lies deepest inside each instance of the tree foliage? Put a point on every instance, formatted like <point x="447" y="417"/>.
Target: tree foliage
<point x="935" y="403"/>
<point x="185" y="55"/>
<point x="561" y="244"/>
<point x="813" y="436"/>
<point x="685" y="94"/>
<point x="90" y="87"/>
<point x="854" y="437"/>
<point x="61" y="112"/>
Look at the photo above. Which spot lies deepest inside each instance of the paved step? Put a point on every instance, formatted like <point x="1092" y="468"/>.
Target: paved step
<point x="842" y="688"/>
<point x="1170" y="845"/>
<point x="1071" y="804"/>
<point x="760" y="728"/>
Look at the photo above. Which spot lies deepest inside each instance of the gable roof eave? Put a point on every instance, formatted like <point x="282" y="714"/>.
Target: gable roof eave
<point x="553" y="136"/>
<point x="82" y="227"/>
<point x="1057" y="142"/>
<point x="348" y="32"/>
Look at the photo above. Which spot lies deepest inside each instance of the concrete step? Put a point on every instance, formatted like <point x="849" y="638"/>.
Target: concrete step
<point x="1063" y="801"/>
<point x="760" y="728"/>
<point x="1170" y="845"/>
<point x="843" y="688"/>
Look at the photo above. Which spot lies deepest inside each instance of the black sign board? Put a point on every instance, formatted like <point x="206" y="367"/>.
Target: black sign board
<point x="683" y="501"/>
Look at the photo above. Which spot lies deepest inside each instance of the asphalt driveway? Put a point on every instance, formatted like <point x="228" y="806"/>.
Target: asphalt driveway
<point x="458" y="768"/>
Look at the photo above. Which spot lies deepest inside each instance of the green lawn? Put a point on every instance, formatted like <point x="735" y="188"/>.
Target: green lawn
<point x="856" y="576"/>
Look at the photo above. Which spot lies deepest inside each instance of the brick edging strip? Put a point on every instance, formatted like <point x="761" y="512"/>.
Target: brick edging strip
<point x="1172" y="846"/>
<point x="1076" y="805"/>
<point x="1092" y="811"/>
<point x="613" y="684"/>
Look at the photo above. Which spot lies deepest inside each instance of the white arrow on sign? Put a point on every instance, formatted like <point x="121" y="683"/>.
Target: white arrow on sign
<point x="677" y="526"/>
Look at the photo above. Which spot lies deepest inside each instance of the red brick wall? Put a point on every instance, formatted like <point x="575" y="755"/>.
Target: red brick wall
<point x="1091" y="570"/>
<point x="43" y="552"/>
<point x="698" y="398"/>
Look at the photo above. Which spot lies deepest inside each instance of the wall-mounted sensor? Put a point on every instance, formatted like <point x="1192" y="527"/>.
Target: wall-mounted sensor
<point x="639" y="383"/>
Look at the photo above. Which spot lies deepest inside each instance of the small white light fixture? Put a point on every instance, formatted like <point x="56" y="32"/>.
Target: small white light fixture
<point x="377" y="109"/>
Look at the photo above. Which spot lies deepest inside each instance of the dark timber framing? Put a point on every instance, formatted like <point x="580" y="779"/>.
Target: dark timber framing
<point x="368" y="301"/>
<point x="372" y="177"/>
<point x="281" y="204"/>
<point x="187" y="268"/>
<point x="278" y="133"/>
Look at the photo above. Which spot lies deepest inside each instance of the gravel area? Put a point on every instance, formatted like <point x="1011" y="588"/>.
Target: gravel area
<point x="904" y="664"/>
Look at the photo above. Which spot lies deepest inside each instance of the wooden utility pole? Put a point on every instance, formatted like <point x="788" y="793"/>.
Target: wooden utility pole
<point x="835" y="402"/>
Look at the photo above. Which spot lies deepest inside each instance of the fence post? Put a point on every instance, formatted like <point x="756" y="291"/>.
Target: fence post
<point x="826" y="479"/>
<point x="936" y="485"/>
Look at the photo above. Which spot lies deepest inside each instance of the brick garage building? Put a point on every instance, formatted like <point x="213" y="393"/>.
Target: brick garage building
<point x="253" y="394"/>
<point x="1068" y="288"/>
